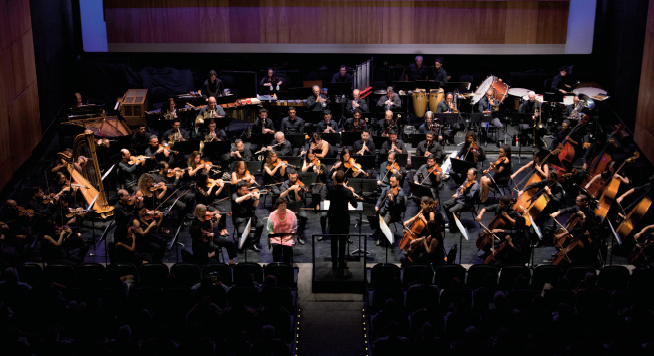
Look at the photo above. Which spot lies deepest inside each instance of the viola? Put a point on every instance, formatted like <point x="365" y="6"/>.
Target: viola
<point x="500" y="160"/>
<point x="72" y="212"/>
<point x="132" y="200"/>
<point x="25" y="212"/>
<point x="172" y="172"/>
<point x="351" y="163"/>
<point x="157" y="186"/>
<point x="48" y="198"/>
<point x="395" y="167"/>
<point x="279" y="161"/>
<point x="212" y="214"/>
<point x="315" y="162"/>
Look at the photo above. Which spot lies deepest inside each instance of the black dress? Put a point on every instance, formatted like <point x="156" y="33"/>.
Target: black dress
<point x="502" y="178"/>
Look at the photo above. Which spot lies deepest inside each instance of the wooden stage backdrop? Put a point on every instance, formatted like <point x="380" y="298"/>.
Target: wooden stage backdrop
<point x="337" y="22"/>
<point x="20" y="122"/>
<point x="644" y="131"/>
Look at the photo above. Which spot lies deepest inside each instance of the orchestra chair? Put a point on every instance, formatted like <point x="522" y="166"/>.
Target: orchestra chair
<point x="445" y="273"/>
<point x="247" y="296"/>
<point x="188" y="274"/>
<point x="613" y="278"/>
<point x="419" y="297"/>
<point x="477" y="273"/>
<point x="554" y="297"/>
<point x="412" y="274"/>
<point x="286" y="274"/>
<point x="218" y="295"/>
<point x="119" y="269"/>
<point x="646" y="276"/>
<point x="377" y="298"/>
<point x="29" y="273"/>
<point x="284" y="295"/>
<point x="88" y="274"/>
<point x="592" y="302"/>
<point x="577" y="274"/>
<point x="180" y="298"/>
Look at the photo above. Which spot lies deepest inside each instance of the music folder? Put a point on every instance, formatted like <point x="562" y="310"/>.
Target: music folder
<point x="324" y="206"/>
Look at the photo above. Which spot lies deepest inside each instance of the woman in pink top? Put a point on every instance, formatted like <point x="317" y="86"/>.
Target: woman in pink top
<point x="282" y="221"/>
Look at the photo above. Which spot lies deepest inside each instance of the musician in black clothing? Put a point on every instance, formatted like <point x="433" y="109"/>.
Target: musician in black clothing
<point x="176" y="130"/>
<point x="533" y="107"/>
<point x="239" y="153"/>
<point x="469" y="153"/>
<point x="205" y="242"/>
<point x="198" y="132"/>
<point x="212" y="110"/>
<point x="384" y="124"/>
<point x="270" y="83"/>
<point x="42" y="212"/>
<point x="561" y="81"/>
<point x="317" y="101"/>
<point x="319" y="190"/>
<point x="430" y="147"/>
<point x="160" y="153"/>
<point x="518" y="248"/>
<point x="390" y="101"/>
<point x="643" y="189"/>
<point x="581" y="204"/>
<point x="292" y="124"/>
<point x="123" y="210"/>
<point x="355" y="122"/>
<point x="140" y="140"/>
<point x="433" y="250"/>
<point x="342" y="76"/>
<point x="390" y="204"/>
<point x="428" y="176"/>
<point x="416" y="71"/>
<point x="502" y="208"/>
<point x="596" y="148"/>
<point x="205" y="192"/>
<point x="244" y="204"/>
<point x="327" y="125"/>
<point x="212" y="86"/>
<point x="281" y="146"/>
<point x="393" y="144"/>
<point x="554" y="191"/>
<point x="357" y="102"/>
<point x="485" y="106"/>
<point x="185" y="203"/>
<point x="339" y="219"/>
<point x="564" y="134"/>
<point x="263" y="125"/>
<point x="464" y="198"/>
<point x="430" y="124"/>
<point x="128" y="174"/>
<point x="293" y="192"/>
<point x="125" y="247"/>
<point x="439" y="74"/>
<point x="274" y="173"/>
<point x="567" y="113"/>
<point x="18" y="224"/>
<point x="386" y="170"/>
<point x="365" y="146"/>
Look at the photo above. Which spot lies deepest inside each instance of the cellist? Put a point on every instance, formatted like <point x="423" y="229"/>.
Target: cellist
<point x="429" y="248"/>
<point x="564" y="134"/>
<point x="641" y="189"/>
<point x="593" y="152"/>
<point x="606" y="175"/>
<point x="502" y="209"/>
<point x="516" y="247"/>
<point x="539" y="168"/>
<point x="553" y="189"/>
<point x="426" y="212"/>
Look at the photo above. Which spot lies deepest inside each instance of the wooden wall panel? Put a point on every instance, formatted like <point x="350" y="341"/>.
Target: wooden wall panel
<point x="644" y="130"/>
<point x="337" y="22"/>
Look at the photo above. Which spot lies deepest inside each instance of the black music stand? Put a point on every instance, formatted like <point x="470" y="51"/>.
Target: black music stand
<point x="254" y="166"/>
<point x="366" y="162"/>
<point x="308" y="178"/>
<point x="348" y="138"/>
<point x="186" y="147"/>
<point x="339" y="88"/>
<point x="362" y="185"/>
<point x="402" y="85"/>
<point x="379" y="141"/>
<point x="553" y="97"/>
<point x="366" y="210"/>
<point x="261" y="138"/>
<point x="312" y="117"/>
<point x="416" y="138"/>
<point x="418" y="191"/>
<point x="400" y="158"/>
<point x="270" y="236"/>
<point x="517" y="119"/>
<point x="418" y="161"/>
<point x="333" y="139"/>
<point x="462" y="87"/>
<point x="300" y="93"/>
<point x="479" y="117"/>
<point x="448" y="119"/>
<point x="296" y="140"/>
<point x="427" y="85"/>
<point x="217" y="148"/>
<point x="459" y="167"/>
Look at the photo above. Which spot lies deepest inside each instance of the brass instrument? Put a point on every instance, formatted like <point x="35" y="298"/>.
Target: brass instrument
<point x="199" y="120"/>
<point x="173" y="138"/>
<point x="169" y="116"/>
<point x="209" y="113"/>
<point x="495" y="108"/>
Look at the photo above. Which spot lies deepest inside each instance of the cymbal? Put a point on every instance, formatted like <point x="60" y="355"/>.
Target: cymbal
<point x="380" y="92"/>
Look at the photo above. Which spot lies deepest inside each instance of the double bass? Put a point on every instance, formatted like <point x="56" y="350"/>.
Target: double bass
<point x="632" y="219"/>
<point x="526" y="197"/>
<point x="612" y="185"/>
<point x="567" y="154"/>
<point x="599" y="164"/>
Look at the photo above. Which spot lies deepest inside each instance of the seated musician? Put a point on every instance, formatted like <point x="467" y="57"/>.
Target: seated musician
<point x="433" y="250"/>
<point x="128" y="173"/>
<point x="387" y="169"/>
<point x="647" y="188"/>
<point x="320" y="147"/>
<point x="18" y="242"/>
<point x="212" y="110"/>
<point x="63" y="190"/>
<point x="18" y="224"/>
<point x="428" y="176"/>
<point x="447" y="106"/>
<point x="553" y="189"/>
<point x="196" y="166"/>
<point x="497" y="174"/>
<point x="643" y="240"/>
<point x="317" y="101"/>
<point x="535" y="164"/>
<point x="205" y="242"/>
<point x="355" y="122"/>
<point x="244" y="204"/>
<point x="78" y="101"/>
<point x="292" y="124"/>
<point x="169" y="111"/>
<point x="606" y="175"/>
<point x="281" y="146"/>
<point x="146" y="224"/>
<point x="218" y="134"/>
<point x="502" y="208"/>
<point x="430" y="147"/>
<point x="357" y="102"/>
<point x="241" y="173"/>
<point x="484" y="106"/>
<point x="270" y="83"/>
<point x="159" y="152"/>
<point x="185" y="203"/>
<point x="581" y="204"/>
<point x="61" y="164"/>
<point x="464" y="198"/>
<point x="431" y="124"/>
<point x="152" y="195"/>
<point x="560" y="81"/>
<point x="281" y="221"/>
<point x="274" y="173"/>
<point x="239" y="153"/>
<point x="390" y="100"/>
<point x="390" y="205"/>
<point x="42" y="212"/>
<point x="64" y="216"/>
<point x="518" y="244"/>
<point x="212" y="86"/>
<point x="564" y="134"/>
<point x="140" y="140"/>
<point x="600" y="144"/>
<point x="416" y="71"/>
<point x="383" y="125"/>
<point x="393" y="144"/>
<point x="291" y="191"/>
<point x="319" y="190"/>
<point x="205" y="192"/>
<point x="427" y="213"/>
<point x="327" y="125"/>
<point x="530" y="106"/>
<point x="350" y="172"/>
<point x="62" y="245"/>
<point x="365" y="146"/>
<point x="125" y="250"/>
<point x="198" y="132"/>
<point x="263" y="125"/>
<point x="175" y="133"/>
<point x="567" y="113"/>
<point x="470" y="153"/>
<point x="439" y="74"/>
<point x="124" y="209"/>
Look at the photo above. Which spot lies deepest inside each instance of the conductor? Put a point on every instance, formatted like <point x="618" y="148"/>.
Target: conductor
<point x="339" y="219"/>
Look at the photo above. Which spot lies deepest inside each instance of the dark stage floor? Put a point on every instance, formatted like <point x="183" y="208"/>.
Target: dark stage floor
<point x="302" y="253"/>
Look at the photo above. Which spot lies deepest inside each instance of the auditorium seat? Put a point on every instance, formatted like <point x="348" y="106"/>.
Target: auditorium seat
<point x="153" y="274"/>
<point x="121" y="269"/>
<point x="187" y="274"/>
<point x="577" y="274"/>
<point x="545" y="274"/>
<point x="379" y="296"/>
<point x="88" y="274"/>
<point x="217" y="295"/>
<point x="509" y="274"/>
<point x="29" y="273"/>
<point x="593" y="301"/>
<point x="445" y="273"/>
<point x="556" y="296"/>
<point x="646" y="276"/>
<point x="252" y="268"/>
<point x="178" y="298"/>
<point x="412" y="274"/>
<point x="223" y="269"/>
<point x="248" y="296"/>
<point x="284" y="273"/>
<point x="148" y="297"/>
<point x="61" y="273"/>
<point x="613" y="277"/>
<point x="454" y="295"/>
<point x="419" y="297"/>
<point x="521" y="299"/>
<point x="385" y="275"/>
<point x="477" y="273"/>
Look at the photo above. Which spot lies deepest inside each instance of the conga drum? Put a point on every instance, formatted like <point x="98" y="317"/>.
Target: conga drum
<point x="419" y="102"/>
<point x="435" y="97"/>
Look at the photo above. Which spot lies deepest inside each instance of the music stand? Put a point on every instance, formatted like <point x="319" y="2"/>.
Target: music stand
<point x="300" y="93"/>
<point x="312" y="117"/>
<point x="402" y="85"/>
<point x="460" y="166"/>
<point x="261" y="138"/>
<point x="416" y="138"/>
<point x="617" y="237"/>
<point x="254" y="166"/>
<point x="418" y="161"/>
<point x="366" y="162"/>
<point x="339" y="88"/>
<point x="296" y="140"/>
<point x="418" y="191"/>
<point x="464" y="233"/>
<point x="481" y="118"/>
<point x="308" y="178"/>
<point x="518" y="118"/>
<point x="379" y="141"/>
<point x="280" y="235"/>
<point x="217" y="148"/>
<point x="428" y="85"/>
<point x="553" y="97"/>
<point x="362" y="185"/>
<point x="462" y="87"/>
<point x="400" y="158"/>
<point x="447" y="118"/>
<point x="348" y="138"/>
<point x="332" y="138"/>
<point x="368" y="210"/>
<point x="186" y="147"/>
<point x="244" y="237"/>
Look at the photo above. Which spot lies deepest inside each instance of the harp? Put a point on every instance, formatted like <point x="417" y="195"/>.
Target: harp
<point x="89" y="177"/>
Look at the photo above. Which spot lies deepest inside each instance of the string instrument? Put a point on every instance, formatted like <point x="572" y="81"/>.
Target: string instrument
<point x="634" y="217"/>
<point x="132" y="200"/>
<point x="567" y="154"/>
<point x="25" y="212"/>
<point x="540" y="200"/>
<point x="104" y="142"/>
<point x="639" y="248"/>
<point x="259" y="191"/>
<point x="208" y="165"/>
<point x="212" y="214"/>
<point x="302" y="185"/>
<point x="316" y="163"/>
<point x="392" y="193"/>
<point x="465" y="186"/>
<point x="72" y="212"/>
<point x="612" y="185"/>
<point x="598" y="165"/>
<point x="413" y="231"/>
<point x="360" y="125"/>
<point x="211" y="182"/>
<point x="526" y="197"/>
<point x="485" y="238"/>
<point x="172" y="172"/>
<point x="48" y="198"/>
<point x="279" y="161"/>
<point x="561" y="258"/>
<point x="387" y="132"/>
<point x="157" y="186"/>
<point x="138" y="159"/>
<point x="352" y="190"/>
<point x="166" y="149"/>
<point x="351" y="164"/>
<point x="474" y="148"/>
<point x="245" y="175"/>
<point x="151" y="214"/>
<point x="573" y="220"/>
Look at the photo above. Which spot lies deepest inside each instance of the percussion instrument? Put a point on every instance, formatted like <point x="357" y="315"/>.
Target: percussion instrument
<point x="419" y="102"/>
<point x="435" y="97"/>
<point x="539" y="97"/>
<point x="380" y="92"/>
<point x="519" y="92"/>
<point x="590" y="91"/>
<point x="492" y="82"/>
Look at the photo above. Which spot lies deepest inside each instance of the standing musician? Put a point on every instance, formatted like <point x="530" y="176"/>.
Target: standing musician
<point x="159" y="152"/>
<point x="239" y="153"/>
<point x="355" y="122"/>
<point x="292" y="124"/>
<point x="140" y="140"/>
<point x="429" y="176"/>
<point x="281" y="146"/>
<point x="485" y="104"/>
<point x="349" y="172"/>
<point x="241" y="173"/>
<point x="498" y="173"/>
<point x="606" y="175"/>
<point x="561" y="81"/>
<point x="564" y="134"/>
<point x="430" y="147"/>
<point x="554" y="191"/>
<point x="365" y="146"/>
<point x="320" y="147"/>
<point x="274" y="173"/>
<point x="244" y="204"/>
<point x="390" y="100"/>
<point x="205" y="241"/>
<point x="464" y="198"/>
<point x="416" y="71"/>
<point x="431" y="125"/>
<point x="270" y="83"/>
<point x="147" y="240"/>
<point x="128" y="173"/>
<point x="542" y="170"/>
<point x="357" y="102"/>
<point x="518" y="245"/>
<point x="282" y="221"/>
<point x="502" y="208"/>
<point x="317" y="101"/>
<point x="342" y="76"/>
<point x="390" y="205"/>
<point x="152" y="195"/>
<point x="393" y="144"/>
<point x="339" y="219"/>
<point x="212" y="110"/>
<point x="388" y="169"/>
<point x="319" y="190"/>
<point x="124" y="209"/>
<point x="327" y="125"/>
<point x="529" y="107"/>
<point x="212" y="86"/>
<point x="205" y="191"/>
<point x="294" y="191"/>
<point x="383" y="125"/>
<point x="439" y="74"/>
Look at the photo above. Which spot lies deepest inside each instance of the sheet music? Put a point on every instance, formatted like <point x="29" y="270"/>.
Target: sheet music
<point x="245" y="235"/>
<point x="447" y="165"/>
<point x="385" y="230"/>
<point x="462" y="229"/>
<point x="324" y="205"/>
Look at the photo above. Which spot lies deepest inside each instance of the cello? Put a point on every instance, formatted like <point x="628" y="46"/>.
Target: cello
<point x="412" y="232"/>
<point x="564" y="231"/>
<point x="598" y="165"/>
<point x="485" y="238"/>
<point x="526" y="197"/>
<point x="639" y="248"/>
<point x="627" y="226"/>
<point x="561" y="258"/>
<point x="612" y="185"/>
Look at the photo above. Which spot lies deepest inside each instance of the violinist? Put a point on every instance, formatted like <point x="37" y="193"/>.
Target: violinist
<point x="327" y="125"/>
<point x="606" y="175"/>
<point x="389" y="168"/>
<point x="518" y="245"/>
<point x="393" y="144"/>
<point x="428" y="175"/>
<point x="464" y="198"/>
<point x="470" y="151"/>
<point x="386" y="123"/>
<point x="503" y="209"/>
<point x="346" y="164"/>
<point x="124" y="209"/>
<point x="241" y="173"/>
<point x="151" y="194"/>
<point x="9" y="238"/>
<point x="244" y="204"/>
<point x="319" y="190"/>
<point x="319" y="146"/>
<point x="205" y="191"/>
<point x="205" y="242"/>
<point x="355" y="123"/>
<point x="171" y="178"/>
<point x="390" y="205"/>
<point x="164" y="171"/>
<point x="128" y="173"/>
<point x="294" y="191"/>
<point x="281" y="146"/>
<point x="239" y="153"/>
<point x="339" y="219"/>
<point x="647" y="188"/>
<point x="159" y="152"/>
<point x="292" y="124"/>
<point x="140" y="140"/>
<point x="18" y="224"/>
<point x="498" y="173"/>
<point x="62" y="245"/>
<point x="195" y="165"/>
<point x="148" y="240"/>
<point x="262" y="125"/>
<point x="62" y="190"/>
<point x="365" y="146"/>
<point x="552" y="188"/>
<point x="42" y="212"/>
<point x="212" y="110"/>
<point x="67" y="216"/>
<point x="541" y="169"/>
<point x="274" y="173"/>
<point x="175" y="133"/>
<point x="430" y="147"/>
<point x="125" y="247"/>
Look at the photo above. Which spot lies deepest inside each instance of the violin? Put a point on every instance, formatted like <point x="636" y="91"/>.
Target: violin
<point x="352" y="190"/>
<point x="316" y="162"/>
<point x="465" y="186"/>
<point x="137" y="159"/>
<point x="158" y="186"/>
<point x="351" y="163"/>
<point x="166" y="149"/>
<point x="285" y="163"/>
<point x="72" y="212"/>
<point x="212" y="214"/>
<point x="208" y="164"/>
<point x="47" y="199"/>
<point x="211" y="182"/>
<point x="104" y="142"/>
<point x="474" y="148"/>
<point x="150" y="214"/>
<point x="25" y="212"/>
<point x="132" y="200"/>
<point x="171" y="172"/>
